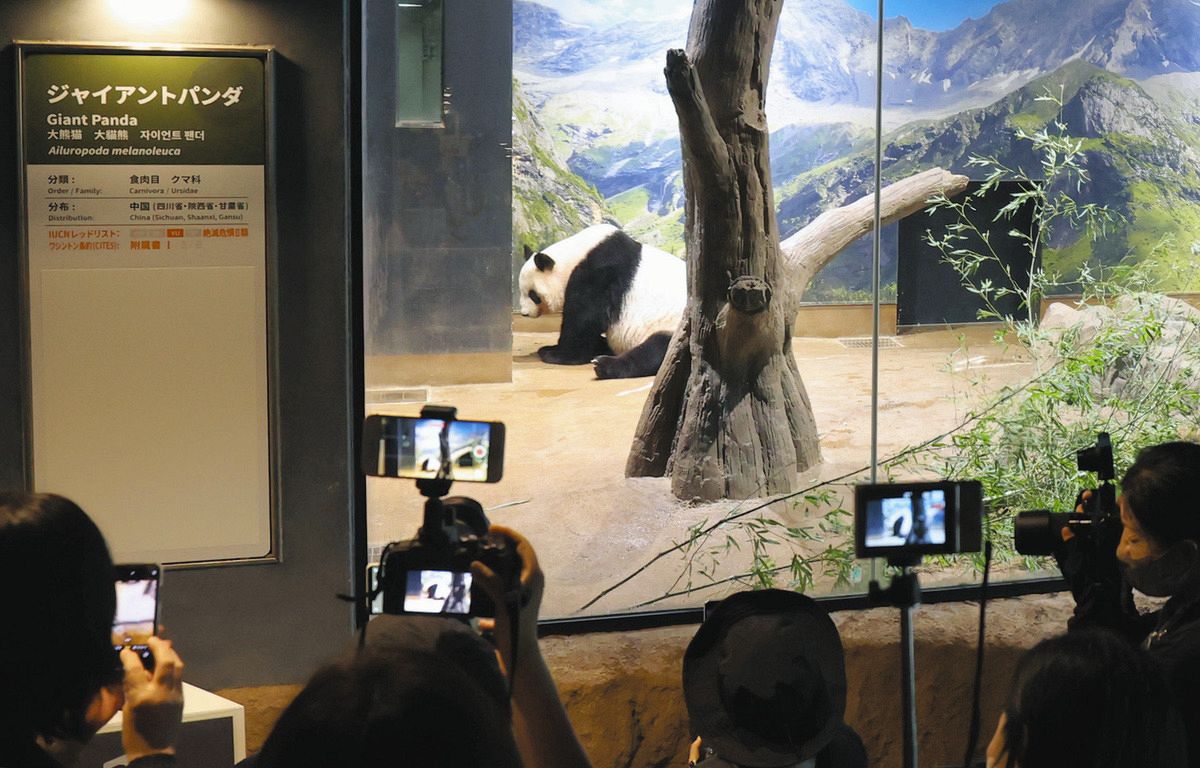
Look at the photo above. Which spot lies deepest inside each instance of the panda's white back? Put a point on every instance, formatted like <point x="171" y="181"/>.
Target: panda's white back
<point x="655" y="300"/>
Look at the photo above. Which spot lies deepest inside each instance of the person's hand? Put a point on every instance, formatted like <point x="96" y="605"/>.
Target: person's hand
<point x="153" y="701"/>
<point x="531" y="586"/>
<point x="1081" y="504"/>
<point x="997" y="749"/>
<point x="694" y="751"/>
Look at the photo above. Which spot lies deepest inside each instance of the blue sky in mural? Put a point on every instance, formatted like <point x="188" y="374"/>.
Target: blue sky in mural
<point x="929" y="15"/>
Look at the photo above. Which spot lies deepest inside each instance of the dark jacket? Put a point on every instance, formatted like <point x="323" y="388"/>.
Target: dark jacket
<point x="26" y="754"/>
<point x="1171" y="636"/>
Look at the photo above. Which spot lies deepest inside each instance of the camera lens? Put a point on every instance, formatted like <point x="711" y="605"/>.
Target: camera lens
<point x="1037" y="532"/>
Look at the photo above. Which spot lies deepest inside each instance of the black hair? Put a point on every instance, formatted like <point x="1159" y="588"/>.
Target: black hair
<point x="1088" y="699"/>
<point x="57" y="602"/>
<point x="1158" y="488"/>
<point x="394" y="707"/>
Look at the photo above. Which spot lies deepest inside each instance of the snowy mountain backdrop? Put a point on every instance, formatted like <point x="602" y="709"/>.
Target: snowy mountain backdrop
<point x="1128" y="70"/>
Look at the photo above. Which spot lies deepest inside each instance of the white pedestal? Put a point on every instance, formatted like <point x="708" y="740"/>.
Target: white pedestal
<point x="213" y="735"/>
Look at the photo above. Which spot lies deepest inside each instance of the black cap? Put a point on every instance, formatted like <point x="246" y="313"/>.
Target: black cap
<point x="765" y="679"/>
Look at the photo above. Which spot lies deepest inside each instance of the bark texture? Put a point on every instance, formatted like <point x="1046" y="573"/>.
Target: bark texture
<point x="727" y="415"/>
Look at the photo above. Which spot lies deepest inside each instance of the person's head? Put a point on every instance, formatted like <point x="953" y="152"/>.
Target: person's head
<point x="1088" y="700"/>
<point x="764" y="679"/>
<point x="57" y="602"/>
<point x="423" y="692"/>
<point x="1158" y="502"/>
<point x="1160" y="519"/>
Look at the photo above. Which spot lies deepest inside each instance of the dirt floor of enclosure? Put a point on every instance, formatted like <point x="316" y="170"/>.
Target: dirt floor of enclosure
<point x="568" y="436"/>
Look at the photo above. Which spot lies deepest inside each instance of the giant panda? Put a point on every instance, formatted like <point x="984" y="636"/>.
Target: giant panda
<point x="620" y="300"/>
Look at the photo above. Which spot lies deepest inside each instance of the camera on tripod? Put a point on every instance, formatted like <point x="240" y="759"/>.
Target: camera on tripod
<point x="905" y="521"/>
<point x="1039" y="532"/>
<point x="431" y="573"/>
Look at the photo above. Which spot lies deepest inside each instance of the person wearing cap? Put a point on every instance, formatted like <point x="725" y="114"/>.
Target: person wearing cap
<point x="764" y="681"/>
<point x="1159" y="556"/>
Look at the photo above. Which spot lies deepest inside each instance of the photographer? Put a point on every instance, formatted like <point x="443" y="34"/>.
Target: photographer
<point x="424" y="690"/>
<point x="1158" y="555"/>
<point x="60" y="676"/>
<point x="544" y="734"/>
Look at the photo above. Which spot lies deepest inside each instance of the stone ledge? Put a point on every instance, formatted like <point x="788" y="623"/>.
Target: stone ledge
<point x="624" y="695"/>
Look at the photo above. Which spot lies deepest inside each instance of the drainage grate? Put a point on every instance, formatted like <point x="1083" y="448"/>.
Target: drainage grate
<point x="398" y="395"/>
<point x="864" y="342"/>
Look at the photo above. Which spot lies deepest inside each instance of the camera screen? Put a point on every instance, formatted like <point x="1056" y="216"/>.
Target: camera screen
<point x="415" y="447"/>
<point x="911" y="519"/>
<point x="134" y="621"/>
<point x="437" y="592"/>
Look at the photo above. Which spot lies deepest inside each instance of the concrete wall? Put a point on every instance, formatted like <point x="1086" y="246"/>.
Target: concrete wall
<point x="437" y="206"/>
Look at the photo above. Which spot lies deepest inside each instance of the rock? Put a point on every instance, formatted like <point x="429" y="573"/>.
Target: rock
<point x="1172" y="354"/>
<point x="624" y="692"/>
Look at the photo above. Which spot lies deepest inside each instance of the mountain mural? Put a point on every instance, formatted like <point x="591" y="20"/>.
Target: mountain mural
<point x="1126" y="70"/>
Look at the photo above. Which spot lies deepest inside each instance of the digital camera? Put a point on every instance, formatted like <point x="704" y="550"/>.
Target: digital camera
<point x="910" y="520"/>
<point x="1039" y="532"/>
<point x="431" y="574"/>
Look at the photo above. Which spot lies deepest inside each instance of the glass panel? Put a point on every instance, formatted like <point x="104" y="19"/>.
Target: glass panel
<point x="1006" y="384"/>
<point x="419" y="62"/>
<point x="1006" y="397"/>
<point x="596" y="137"/>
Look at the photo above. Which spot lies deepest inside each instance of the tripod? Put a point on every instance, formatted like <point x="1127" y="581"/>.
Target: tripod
<point x="904" y="593"/>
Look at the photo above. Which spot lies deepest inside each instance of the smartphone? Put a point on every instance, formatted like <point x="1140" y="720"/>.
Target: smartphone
<point x="136" y="619"/>
<point x="413" y="447"/>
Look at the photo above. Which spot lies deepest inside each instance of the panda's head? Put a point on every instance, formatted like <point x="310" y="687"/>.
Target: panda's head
<point x="542" y="290"/>
<point x="544" y="276"/>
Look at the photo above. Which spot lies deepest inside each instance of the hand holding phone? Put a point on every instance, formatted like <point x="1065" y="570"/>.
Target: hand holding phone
<point x="136" y="619"/>
<point x="153" y="701"/>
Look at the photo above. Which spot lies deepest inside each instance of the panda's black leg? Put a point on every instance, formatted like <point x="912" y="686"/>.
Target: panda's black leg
<point x="582" y="335"/>
<point x="558" y="354"/>
<point x="643" y="360"/>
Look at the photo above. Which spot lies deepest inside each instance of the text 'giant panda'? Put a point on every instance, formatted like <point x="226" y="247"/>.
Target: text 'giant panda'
<point x="621" y="300"/>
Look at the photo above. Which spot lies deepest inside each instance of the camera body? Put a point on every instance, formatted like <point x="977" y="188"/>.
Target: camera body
<point x="431" y="573"/>
<point x="905" y="521"/>
<point x="1038" y="532"/>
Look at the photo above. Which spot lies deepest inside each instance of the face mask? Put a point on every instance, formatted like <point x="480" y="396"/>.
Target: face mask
<point x="1164" y="575"/>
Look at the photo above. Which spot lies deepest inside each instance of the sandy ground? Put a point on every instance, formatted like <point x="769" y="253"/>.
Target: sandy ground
<point x="568" y="436"/>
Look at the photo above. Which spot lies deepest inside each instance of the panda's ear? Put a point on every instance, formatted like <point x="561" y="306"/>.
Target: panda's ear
<point x="543" y="262"/>
<point x="528" y="251"/>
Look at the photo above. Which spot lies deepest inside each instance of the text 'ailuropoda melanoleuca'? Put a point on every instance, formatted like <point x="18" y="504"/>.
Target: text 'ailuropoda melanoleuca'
<point x="620" y="300"/>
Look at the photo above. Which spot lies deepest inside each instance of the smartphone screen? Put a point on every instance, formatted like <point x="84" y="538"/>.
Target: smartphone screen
<point x="413" y="447"/>
<point x="437" y="592"/>
<point x="136" y="619"/>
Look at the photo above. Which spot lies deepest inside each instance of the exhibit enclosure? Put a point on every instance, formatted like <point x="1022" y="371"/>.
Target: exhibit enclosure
<point x="1036" y="170"/>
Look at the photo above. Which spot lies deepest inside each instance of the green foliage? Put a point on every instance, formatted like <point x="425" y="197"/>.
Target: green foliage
<point x="1129" y="369"/>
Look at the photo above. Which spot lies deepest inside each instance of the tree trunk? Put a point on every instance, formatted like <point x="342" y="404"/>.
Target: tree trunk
<point x="728" y="416"/>
<point x="744" y="425"/>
